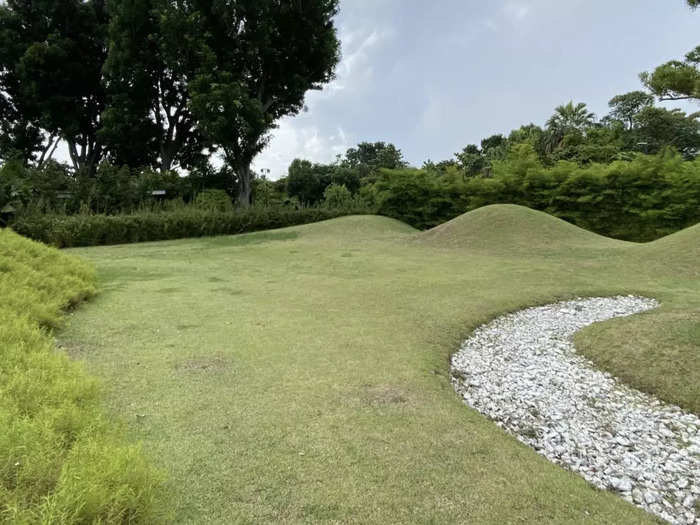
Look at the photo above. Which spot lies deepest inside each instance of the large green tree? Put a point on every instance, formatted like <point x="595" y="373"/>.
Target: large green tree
<point x="625" y="107"/>
<point x="261" y="58"/>
<point x="155" y="51"/>
<point x="368" y="157"/>
<point x="658" y="128"/>
<point x="51" y="58"/>
<point x="569" y="117"/>
<point x="471" y="160"/>
<point x="677" y="79"/>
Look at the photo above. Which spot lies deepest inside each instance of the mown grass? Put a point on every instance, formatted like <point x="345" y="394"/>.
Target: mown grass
<point x="61" y="459"/>
<point x="305" y="378"/>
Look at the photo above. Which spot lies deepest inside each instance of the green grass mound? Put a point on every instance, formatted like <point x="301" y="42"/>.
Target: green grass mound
<point x="510" y="227"/>
<point x="61" y="461"/>
<point x="358" y="227"/>
<point x="682" y="247"/>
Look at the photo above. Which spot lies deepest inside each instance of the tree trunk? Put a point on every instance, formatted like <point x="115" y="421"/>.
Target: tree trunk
<point x="245" y="184"/>
<point x="85" y="159"/>
<point x="167" y="158"/>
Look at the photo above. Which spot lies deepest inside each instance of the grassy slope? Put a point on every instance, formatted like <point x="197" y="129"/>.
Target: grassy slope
<point x="659" y="352"/>
<point x="301" y="375"/>
<point x="60" y="460"/>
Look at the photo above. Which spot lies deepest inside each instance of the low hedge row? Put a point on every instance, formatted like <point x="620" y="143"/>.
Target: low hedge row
<point x="65" y="231"/>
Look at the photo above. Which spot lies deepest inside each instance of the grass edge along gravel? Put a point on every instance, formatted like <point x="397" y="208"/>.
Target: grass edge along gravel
<point x="61" y="459"/>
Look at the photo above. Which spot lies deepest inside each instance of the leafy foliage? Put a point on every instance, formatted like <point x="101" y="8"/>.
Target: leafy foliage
<point x="626" y="107"/>
<point x="368" y="157"/>
<point x="51" y="63"/>
<point x="676" y="80"/>
<point x="638" y="200"/>
<point x="247" y="83"/>
<point x="214" y="200"/>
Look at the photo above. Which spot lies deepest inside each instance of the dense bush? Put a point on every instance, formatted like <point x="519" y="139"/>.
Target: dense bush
<point x="53" y="188"/>
<point x="640" y="200"/>
<point x="214" y="200"/>
<point x="339" y="197"/>
<point x="179" y="222"/>
<point x="61" y="461"/>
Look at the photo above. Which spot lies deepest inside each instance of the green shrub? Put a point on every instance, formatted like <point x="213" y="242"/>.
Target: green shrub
<point x="214" y="200"/>
<point x="61" y="461"/>
<point x="179" y="222"/>
<point x="339" y="197"/>
<point x="638" y="200"/>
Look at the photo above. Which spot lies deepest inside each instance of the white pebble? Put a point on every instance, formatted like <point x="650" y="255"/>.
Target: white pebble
<point x="523" y="371"/>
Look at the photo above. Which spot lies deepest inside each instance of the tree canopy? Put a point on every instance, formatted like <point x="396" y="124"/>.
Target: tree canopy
<point x="261" y="59"/>
<point x="676" y="79"/>
<point x="159" y="83"/>
<point x="51" y="58"/>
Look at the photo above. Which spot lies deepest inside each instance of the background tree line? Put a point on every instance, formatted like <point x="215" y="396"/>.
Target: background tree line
<point x="161" y="85"/>
<point x="157" y="84"/>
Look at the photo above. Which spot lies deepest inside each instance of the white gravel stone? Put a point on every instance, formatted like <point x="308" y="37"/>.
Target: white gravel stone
<point x="522" y="371"/>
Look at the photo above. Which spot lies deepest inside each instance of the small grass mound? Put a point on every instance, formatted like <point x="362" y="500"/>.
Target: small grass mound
<point x="61" y="461"/>
<point x="510" y="227"/>
<point x="682" y="247"/>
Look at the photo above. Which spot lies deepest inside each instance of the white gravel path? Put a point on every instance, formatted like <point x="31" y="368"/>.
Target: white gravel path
<point x="522" y="371"/>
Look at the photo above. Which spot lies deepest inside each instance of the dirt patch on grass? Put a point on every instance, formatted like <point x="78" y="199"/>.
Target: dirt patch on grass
<point x="182" y="327"/>
<point x="215" y="363"/>
<point x="226" y="290"/>
<point x="76" y="349"/>
<point x="382" y="395"/>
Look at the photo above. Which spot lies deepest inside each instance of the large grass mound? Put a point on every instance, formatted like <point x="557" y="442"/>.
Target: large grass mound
<point x="60" y="459"/>
<point x="302" y="376"/>
<point x="510" y="227"/>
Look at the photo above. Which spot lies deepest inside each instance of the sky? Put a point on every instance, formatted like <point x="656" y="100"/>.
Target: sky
<point x="434" y="76"/>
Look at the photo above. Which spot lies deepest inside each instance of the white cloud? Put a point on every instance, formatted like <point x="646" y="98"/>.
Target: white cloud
<point x="299" y="137"/>
<point x="489" y="24"/>
<point x="516" y="11"/>
<point x="355" y="66"/>
<point x="291" y="141"/>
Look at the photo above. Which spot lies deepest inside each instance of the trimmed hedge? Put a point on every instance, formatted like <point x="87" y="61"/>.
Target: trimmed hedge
<point x="66" y="231"/>
<point x="638" y="200"/>
<point x="61" y="459"/>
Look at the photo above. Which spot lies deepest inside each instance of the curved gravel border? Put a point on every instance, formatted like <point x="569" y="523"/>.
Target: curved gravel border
<point x="522" y="371"/>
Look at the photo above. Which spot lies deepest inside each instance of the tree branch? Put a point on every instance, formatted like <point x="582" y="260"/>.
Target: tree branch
<point x="685" y="97"/>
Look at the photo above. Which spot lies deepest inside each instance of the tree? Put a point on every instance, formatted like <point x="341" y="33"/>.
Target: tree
<point x="626" y="107"/>
<point x="303" y="182"/>
<point x="21" y="138"/>
<point x="337" y="196"/>
<point x="492" y="143"/>
<point x="439" y="167"/>
<point x="260" y="59"/>
<point x="368" y="157"/>
<point x="155" y="50"/>
<point x="570" y="116"/>
<point x="568" y="119"/>
<point x="471" y="160"/>
<point x="675" y="80"/>
<point x="51" y="58"/>
<point x="658" y="128"/>
<point x="533" y="135"/>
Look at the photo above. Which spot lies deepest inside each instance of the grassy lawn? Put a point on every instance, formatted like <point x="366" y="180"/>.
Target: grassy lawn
<point x="301" y="375"/>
